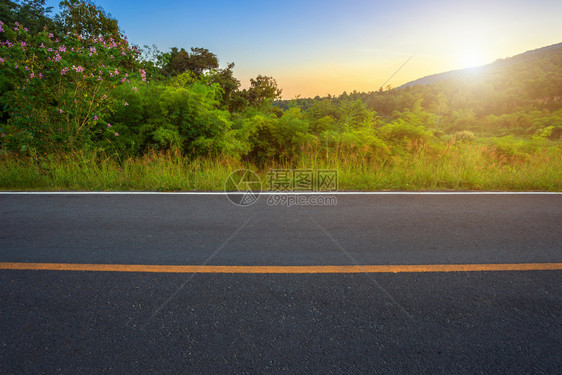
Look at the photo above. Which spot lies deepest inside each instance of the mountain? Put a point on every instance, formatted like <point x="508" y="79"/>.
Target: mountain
<point x="439" y="77"/>
<point x="547" y="59"/>
<point x="525" y="83"/>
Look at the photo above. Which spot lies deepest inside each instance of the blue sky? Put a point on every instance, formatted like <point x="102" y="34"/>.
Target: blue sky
<point x="325" y="47"/>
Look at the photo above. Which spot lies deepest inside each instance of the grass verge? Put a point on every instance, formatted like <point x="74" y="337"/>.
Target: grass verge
<point x="455" y="167"/>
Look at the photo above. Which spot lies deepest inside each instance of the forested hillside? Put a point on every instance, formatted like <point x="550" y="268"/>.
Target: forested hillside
<point x="517" y="96"/>
<point x="81" y="107"/>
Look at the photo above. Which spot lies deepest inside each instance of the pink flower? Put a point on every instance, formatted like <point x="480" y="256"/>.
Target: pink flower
<point x="1" y="60"/>
<point x="60" y="110"/>
<point x="96" y="118"/>
<point x="23" y="44"/>
<point x="109" y="125"/>
<point x="126" y="103"/>
<point x="116" y="134"/>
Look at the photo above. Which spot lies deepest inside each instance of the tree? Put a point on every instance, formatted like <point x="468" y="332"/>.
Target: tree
<point x="59" y="88"/>
<point x="202" y="60"/>
<point x="225" y="79"/>
<point x="262" y="90"/>
<point x="31" y="13"/>
<point x="88" y="20"/>
<point x="179" y="61"/>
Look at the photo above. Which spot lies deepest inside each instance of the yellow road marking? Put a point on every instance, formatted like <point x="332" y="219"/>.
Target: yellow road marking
<point x="282" y="269"/>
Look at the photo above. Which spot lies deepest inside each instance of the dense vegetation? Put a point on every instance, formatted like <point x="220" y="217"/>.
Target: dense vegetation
<point x="81" y="108"/>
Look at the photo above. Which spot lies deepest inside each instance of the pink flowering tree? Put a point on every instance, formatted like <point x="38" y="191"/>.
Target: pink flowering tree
<point x="62" y="87"/>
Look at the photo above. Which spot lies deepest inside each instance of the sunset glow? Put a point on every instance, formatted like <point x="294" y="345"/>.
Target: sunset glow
<point x="327" y="47"/>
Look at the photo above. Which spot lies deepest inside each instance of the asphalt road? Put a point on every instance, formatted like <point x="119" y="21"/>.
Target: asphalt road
<point x="112" y="322"/>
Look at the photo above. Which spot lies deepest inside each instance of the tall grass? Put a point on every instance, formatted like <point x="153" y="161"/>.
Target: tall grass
<point x="452" y="167"/>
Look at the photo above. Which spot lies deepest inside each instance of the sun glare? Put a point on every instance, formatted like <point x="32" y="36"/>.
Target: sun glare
<point x="471" y="58"/>
<point x="470" y="45"/>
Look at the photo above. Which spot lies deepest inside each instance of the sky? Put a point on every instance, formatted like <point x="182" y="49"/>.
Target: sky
<point x="321" y="47"/>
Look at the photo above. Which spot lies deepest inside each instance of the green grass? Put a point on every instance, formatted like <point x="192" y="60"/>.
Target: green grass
<point x="452" y="167"/>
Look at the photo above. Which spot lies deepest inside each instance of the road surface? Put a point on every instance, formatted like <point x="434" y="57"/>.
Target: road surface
<point x="63" y="321"/>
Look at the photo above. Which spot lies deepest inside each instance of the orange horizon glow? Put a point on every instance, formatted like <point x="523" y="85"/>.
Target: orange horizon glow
<point x="333" y="80"/>
<point x="321" y="47"/>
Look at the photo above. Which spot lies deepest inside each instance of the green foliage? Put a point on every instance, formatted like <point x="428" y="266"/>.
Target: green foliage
<point x="459" y="166"/>
<point x="464" y="136"/>
<point x="230" y="99"/>
<point x="354" y="114"/>
<point x="31" y="13"/>
<point x="180" y="61"/>
<point x="88" y="20"/>
<point x="183" y="114"/>
<point x="401" y="132"/>
<point x="263" y="90"/>
<point x="59" y="89"/>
